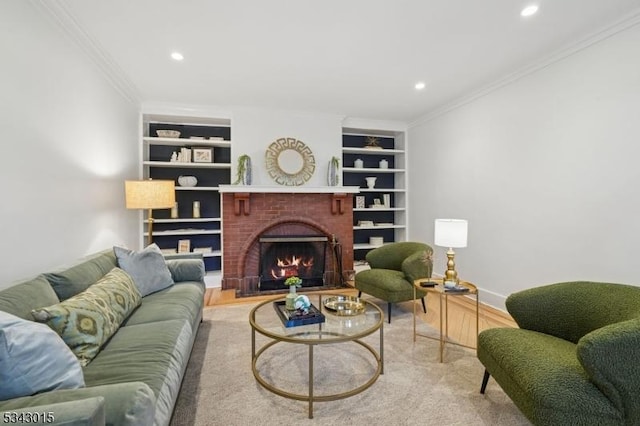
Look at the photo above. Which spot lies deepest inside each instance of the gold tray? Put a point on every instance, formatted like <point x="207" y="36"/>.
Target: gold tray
<point x="344" y="305"/>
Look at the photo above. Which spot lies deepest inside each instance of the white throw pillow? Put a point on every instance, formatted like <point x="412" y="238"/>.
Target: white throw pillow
<point x="148" y="268"/>
<point x="34" y="359"/>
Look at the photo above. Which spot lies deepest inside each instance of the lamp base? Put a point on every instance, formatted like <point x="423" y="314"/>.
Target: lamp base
<point x="450" y="276"/>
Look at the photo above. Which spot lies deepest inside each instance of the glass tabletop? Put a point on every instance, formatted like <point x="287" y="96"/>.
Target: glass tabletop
<point x="265" y="319"/>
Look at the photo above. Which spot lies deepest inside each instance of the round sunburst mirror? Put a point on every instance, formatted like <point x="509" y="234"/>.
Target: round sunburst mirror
<point x="290" y="162"/>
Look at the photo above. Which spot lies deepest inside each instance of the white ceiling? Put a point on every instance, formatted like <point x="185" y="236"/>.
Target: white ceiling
<point x="360" y="58"/>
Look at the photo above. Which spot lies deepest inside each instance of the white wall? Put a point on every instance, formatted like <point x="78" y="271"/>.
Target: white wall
<point x="70" y="140"/>
<point x="253" y="130"/>
<point x="546" y="171"/>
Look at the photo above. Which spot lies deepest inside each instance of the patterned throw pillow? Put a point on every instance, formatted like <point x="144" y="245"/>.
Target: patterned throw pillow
<point x="88" y="319"/>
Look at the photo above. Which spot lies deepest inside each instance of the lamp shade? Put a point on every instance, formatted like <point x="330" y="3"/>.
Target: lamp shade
<point x="149" y="194"/>
<point x="450" y="233"/>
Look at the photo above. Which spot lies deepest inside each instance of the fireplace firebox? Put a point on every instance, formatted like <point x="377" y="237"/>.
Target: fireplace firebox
<point x="284" y="256"/>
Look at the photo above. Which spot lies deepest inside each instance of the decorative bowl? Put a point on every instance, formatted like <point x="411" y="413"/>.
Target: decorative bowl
<point x="187" y="180"/>
<point x="168" y="133"/>
<point x="344" y="305"/>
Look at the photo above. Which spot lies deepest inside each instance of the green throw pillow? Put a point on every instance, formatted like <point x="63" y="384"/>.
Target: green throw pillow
<point x="88" y="319"/>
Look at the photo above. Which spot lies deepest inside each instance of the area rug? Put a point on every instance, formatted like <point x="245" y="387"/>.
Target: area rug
<point x="415" y="389"/>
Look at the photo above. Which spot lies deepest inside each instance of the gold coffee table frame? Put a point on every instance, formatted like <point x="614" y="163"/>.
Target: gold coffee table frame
<point x="317" y="334"/>
<point x="444" y="314"/>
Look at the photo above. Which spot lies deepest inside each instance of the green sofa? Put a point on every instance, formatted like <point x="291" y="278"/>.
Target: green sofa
<point x="394" y="268"/>
<point x="136" y="376"/>
<point x="574" y="358"/>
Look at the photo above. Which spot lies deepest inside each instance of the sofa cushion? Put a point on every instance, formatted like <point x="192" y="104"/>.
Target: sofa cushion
<point x="20" y="299"/>
<point x="125" y="404"/>
<point x="33" y="359"/>
<point x="155" y="353"/>
<point x="183" y="301"/>
<point x="69" y="281"/>
<point x="88" y="319"/>
<point x="386" y="284"/>
<point x="147" y="268"/>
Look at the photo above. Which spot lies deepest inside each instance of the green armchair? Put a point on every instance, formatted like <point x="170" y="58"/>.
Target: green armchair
<point x="574" y="360"/>
<point x="394" y="267"/>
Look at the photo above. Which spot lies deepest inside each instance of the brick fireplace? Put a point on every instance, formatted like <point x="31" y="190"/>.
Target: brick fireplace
<point x="251" y="213"/>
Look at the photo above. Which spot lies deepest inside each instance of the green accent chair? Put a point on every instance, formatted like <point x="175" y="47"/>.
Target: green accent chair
<point x="394" y="268"/>
<point x="575" y="358"/>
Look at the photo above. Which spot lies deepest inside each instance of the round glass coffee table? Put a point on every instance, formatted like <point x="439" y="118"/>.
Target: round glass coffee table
<point x="335" y="329"/>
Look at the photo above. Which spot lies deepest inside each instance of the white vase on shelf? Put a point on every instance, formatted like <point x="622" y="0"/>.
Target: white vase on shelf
<point x="371" y="181"/>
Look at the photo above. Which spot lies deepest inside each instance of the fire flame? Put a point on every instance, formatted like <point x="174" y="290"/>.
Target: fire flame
<point x="289" y="267"/>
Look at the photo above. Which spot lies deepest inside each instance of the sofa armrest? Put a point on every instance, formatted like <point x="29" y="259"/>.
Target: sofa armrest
<point x="418" y="265"/>
<point x="186" y="269"/>
<point x="610" y="356"/>
<point x="570" y="310"/>
<point x="131" y="403"/>
<point x="81" y="412"/>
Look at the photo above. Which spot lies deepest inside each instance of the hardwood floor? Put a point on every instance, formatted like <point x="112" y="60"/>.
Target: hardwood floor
<point x="462" y="320"/>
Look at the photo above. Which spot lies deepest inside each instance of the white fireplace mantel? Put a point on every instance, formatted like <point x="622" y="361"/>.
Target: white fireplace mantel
<point x="281" y="189"/>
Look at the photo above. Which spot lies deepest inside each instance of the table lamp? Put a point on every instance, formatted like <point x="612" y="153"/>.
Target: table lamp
<point x="450" y="233"/>
<point x="149" y="194"/>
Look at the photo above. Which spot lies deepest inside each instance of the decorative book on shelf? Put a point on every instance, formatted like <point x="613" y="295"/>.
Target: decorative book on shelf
<point x="297" y="317"/>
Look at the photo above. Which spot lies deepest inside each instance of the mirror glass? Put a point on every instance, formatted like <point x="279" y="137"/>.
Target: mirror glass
<point x="290" y="161"/>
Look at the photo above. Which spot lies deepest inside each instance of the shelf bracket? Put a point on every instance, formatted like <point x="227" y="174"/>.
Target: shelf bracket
<point x="338" y="202"/>
<point x="241" y="203"/>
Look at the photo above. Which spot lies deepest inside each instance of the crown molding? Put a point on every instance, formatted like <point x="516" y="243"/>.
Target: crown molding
<point x="621" y="25"/>
<point x="56" y="10"/>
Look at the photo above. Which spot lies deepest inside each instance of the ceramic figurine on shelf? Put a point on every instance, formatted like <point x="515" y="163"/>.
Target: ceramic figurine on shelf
<point x="174" y="157"/>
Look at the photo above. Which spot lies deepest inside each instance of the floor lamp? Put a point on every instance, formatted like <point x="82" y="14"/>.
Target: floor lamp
<point x="450" y="233"/>
<point x="149" y="194"/>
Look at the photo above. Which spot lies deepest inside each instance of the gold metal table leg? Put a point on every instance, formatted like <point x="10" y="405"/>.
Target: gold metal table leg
<point x="310" y="381"/>
<point x="441" y="334"/>
<point x="414" y="313"/>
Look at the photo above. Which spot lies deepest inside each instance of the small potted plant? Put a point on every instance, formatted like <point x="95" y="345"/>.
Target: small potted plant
<point x="293" y="282"/>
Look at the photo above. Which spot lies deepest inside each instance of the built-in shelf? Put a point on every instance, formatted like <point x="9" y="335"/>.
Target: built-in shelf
<point x="187" y="219"/>
<point x="371" y="170"/>
<point x="211" y="133"/>
<point x="360" y="228"/>
<point x="364" y="246"/>
<point x="387" y="163"/>
<point x="182" y="164"/>
<point x="187" y="142"/>
<point x="215" y="253"/>
<point x="197" y="188"/>
<point x="381" y="209"/>
<point x="383" y="190"/>
<point x="368" y="151"/>
<point x="185" y="232"/>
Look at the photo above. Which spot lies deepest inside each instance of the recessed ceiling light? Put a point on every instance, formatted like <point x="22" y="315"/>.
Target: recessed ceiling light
<point x="177" y="56"/>
<point x="529" y="10"/>
<point x="420" y="85"/>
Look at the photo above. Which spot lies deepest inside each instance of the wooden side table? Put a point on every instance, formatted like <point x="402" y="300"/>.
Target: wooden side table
<point x="442" y="293"/>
